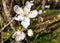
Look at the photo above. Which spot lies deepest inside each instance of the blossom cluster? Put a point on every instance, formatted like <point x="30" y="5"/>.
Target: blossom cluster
<point x="20" y="35"/>
<point x="24" y="15"/>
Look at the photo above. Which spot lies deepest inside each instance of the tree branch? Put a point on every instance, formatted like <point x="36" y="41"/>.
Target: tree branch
<point x="6" y="25"/>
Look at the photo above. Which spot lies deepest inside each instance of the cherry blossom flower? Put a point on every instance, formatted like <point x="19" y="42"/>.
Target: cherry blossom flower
<point x="30" y="32"/>
<point x="25" y="14"/>
<point x="19" y="35"/>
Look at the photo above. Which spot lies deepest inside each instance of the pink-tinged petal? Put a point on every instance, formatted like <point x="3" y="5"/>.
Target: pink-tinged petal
<point x="18" y="9"/>
<point x="23" y="35"/>
<point x="29" y="4"/>
<point x="18" y="32"/>
<point x="19" y="18"/>
<point x="25" y="23"/>
<point x="19" y="35"/>
<point x="33" y="14"/>
<point x="26" y="9"/>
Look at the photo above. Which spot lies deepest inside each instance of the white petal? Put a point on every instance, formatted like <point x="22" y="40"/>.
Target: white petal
<point x="29" y="4"/>
<point x="33" y="14"/>
<point x="23" y="35"/>
<point x="17" y="32"/>
<point x="30" y="32"/>
<point x="40" y="12"/>
<point x="26" y="9"/>
<point x="19" y="35"/>
<point x="47" y="6"/>
<point x="25" y="23"/>
<point x="18" y="9"/>
<point x="19" y="18"/>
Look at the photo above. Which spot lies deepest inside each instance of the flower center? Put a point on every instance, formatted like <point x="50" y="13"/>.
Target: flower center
<point x="25" y="15"/>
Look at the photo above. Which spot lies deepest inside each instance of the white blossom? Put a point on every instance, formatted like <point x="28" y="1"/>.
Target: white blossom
<point x="26" y="22"/>
<point x="19" y="35"/>
<point x="18" y="9"/>
<point x="30" y="32"/>
<point x="33" y="14"/>
<point x="25" y="14"/>
<point x="40" y="12"/>
<point x="47" y="6"/>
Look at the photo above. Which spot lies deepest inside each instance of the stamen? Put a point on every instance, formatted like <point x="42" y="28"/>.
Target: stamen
<point x="25" y="15"/>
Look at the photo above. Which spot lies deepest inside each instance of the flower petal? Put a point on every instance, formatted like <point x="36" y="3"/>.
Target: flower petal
<point x="29" y="4"/>
<point x="33" y="14"/>
<point x="19" y="18"/>
<point x="18" y="32"/>
<point x="18" y="9"/>
<point x="19" y="35"/>
<point x="26" y="9"/>
<point x="23" y="35"/>
<point x="30" y="32"/>
<point x="25" y="23"/>
<point x="47" y="6"/>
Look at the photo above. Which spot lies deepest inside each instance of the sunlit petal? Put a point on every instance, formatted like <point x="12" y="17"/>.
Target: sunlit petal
<point x="19" y="18"/>
<point x="33" y="14"/>
<point x="19" y="35"/>
<point x="30" y="32"/>
<point x="26" y="9"/>
<point x="23" y="35"/>
<point x="18" y="9"/>
<point x="47" y="6"/>
<point x="29" y="4"/>
<point x="25" y="23"/>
